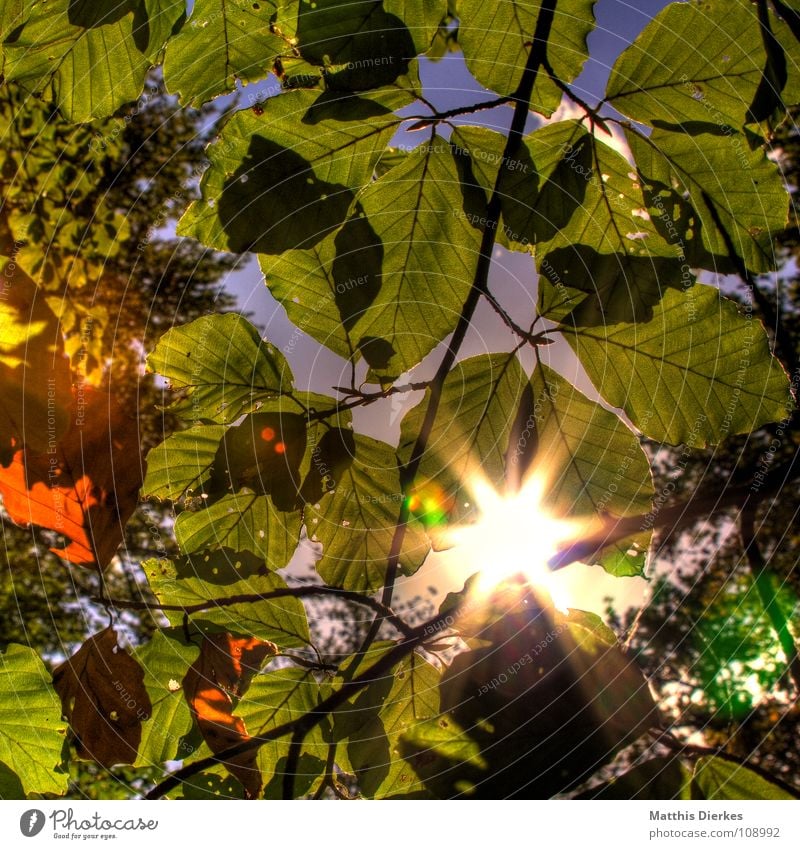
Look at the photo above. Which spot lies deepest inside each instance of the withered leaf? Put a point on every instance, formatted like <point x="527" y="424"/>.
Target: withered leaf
<point x="84" y="486"/>
<point x="221" y="673"/>
<point x="104" y="700"/>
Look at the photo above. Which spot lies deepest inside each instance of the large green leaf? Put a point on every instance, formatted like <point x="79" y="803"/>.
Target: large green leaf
<point x="591" y="462"/>
<point x="720" y="779"/>
<point x="471" y="433"/>
<point x="738" y="194"/>
<point x="696" y="373"/>
<point x="223" y="365"/>
<point x="539" y="705"/>
<point x="222" y="42"/>
<point x="609" y="246"/>
<point x="422" y="17"/>
<point x="287" y="176"/>
<point x="390" y="284"/>
<point x="275" y="698"/>
<point x="183" y="464"/>
<point x="165" y="660"/>
<point x="215" y="576"/>
<point x="245" y="522"/>
<point x="330" y="288"/>
<point x="362" y="44"/>
<point x="32" y="731"/>
<point x="95" y="53"/>
<point x="698" y="62"/>
<point x="374" y="723"/>
<point x="497" y="37"/>
<point x="355" y="521"/>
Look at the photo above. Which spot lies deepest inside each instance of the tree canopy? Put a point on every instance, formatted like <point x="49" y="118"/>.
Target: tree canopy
<point x="130" y="386"/>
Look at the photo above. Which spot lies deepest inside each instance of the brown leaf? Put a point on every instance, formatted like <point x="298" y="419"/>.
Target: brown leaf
<point x="85" y="486"/>
<point x="104" y="699"/>
<point x="222" y="672"/>
<point x="35" y="376"/>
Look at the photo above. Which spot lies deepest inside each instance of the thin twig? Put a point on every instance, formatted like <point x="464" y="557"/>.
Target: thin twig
<point x="253" y="598"/>
<point x="533" y="339"/>
<point x="424" y="121"/>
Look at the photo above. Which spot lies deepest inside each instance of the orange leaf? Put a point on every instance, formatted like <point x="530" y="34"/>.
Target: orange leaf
<point x="86" y="486"/>
<point x="222" y="672"/>
<point x="104" y="699"/>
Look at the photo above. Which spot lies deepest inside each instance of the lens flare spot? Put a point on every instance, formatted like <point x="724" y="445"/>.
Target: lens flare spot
<point x="430" y="505"/>
<point x="280" y="448"/>
<point x="268" y="434"/>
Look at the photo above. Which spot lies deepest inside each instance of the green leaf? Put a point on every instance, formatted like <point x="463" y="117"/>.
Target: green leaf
<point x="375" y="722"/>
<point x="35" y="377"/>
<point x="720" y="779"/>
<point x="422" y="17"/>
<point x="223" y="365"/>
<point x="608" y="245"/>
<point x="32" y="732"/>
<point x="222" y="42"/>
<point x="361" y="43"/>
<point x="519" y="187"/>
<point x="591" y="462"/>
<point x="471" y="432"/>
<point x="287" y="176"/>
<point x="211" y="784"/>
<point x="165" y="659"/>
<point x="13" y="14"/>
<point x="544" y="696"/>
<point x="390" y="284"/>
<point x="95" y="53"/>
<point x="664" y="778"/>
<point x="314" y="288"/>
<point x="692" y="62"/>
<point x="245" y="522"/>
<point x="215" y="576"/>
<point x="275" y="698"/>
<point x="445" y="756"/>
<point x="355" y="521"/>
<point x="738" y="194"/>
<point x="696" y="373"/>
<point x="182" y="465"/>
<point x="497" y="37"/>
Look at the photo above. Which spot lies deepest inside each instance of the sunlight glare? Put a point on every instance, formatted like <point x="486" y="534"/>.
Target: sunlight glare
<point x="513" y="535"/>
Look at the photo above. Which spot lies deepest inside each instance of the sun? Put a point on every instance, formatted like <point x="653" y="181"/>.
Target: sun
<point x="514" y="534"/>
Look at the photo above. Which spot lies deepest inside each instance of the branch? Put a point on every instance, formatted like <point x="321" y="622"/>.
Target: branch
<point x="522" y="98"/>
<point x="763" y="579"/>
<point x="425" y="121"/>
<point x="303" y="725"/>
<point x="593" y="114"/>
<point x="253" y="598"/>
<point x="676" y="516"/>
<point x="362" y="399"/>
<point x="690" y="750"/>
<point x="533" y="339"/>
